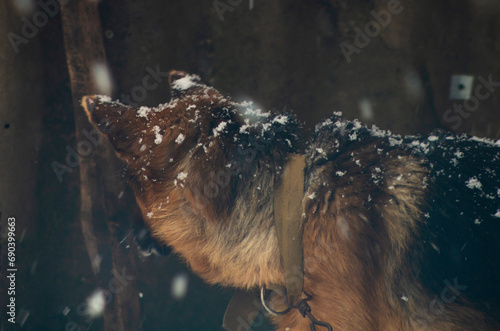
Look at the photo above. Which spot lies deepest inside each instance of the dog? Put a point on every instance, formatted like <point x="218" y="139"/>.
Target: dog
<point x="399" y="232"/>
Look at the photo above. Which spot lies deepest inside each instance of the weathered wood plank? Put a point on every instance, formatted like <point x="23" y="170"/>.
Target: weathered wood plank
<point x="99" y="185"/>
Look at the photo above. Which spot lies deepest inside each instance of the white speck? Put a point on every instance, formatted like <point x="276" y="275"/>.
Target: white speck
<point x="185" y="83"/>
<point x="23" y="316"/>
<point x="281" y="119"/>
<point x="140" y="140"/>
<point x="477" y="221"/>
<point x="66" y="311"/>
<point x="150" y="214"/>
<point x="179" y="286"/>
<point x="143" y="147"/>
<point x="432" y="138"/>
<point x="358" y="163"/>
<point x="340" y="173"/>
<point x="459" y="154"/>
<point x="171" y="160"/>
<point x="95" y="304"/>
<point x="182" y="175"/>
<point x="180" y="138"/>
<point x="104" y="98"/>
<point x="143" y="112"/>
<point x="473" y="183"/>
<point x="395" y="142"/>
<point x="158" y="136"/>
<point x="220" y="128"/>
<point x="497" y="215"/>
<point x="120" y="195"/>
<point x="96" y="262"/>
<point x="320" y="151"/>
<point x="404" y="298"/>
<point x="141" y="295"/>
<point x="312" y="195"/>
<point x="353" y="136"/>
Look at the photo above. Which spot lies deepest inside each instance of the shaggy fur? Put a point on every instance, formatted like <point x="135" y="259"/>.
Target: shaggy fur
<point x="399" y="232"/>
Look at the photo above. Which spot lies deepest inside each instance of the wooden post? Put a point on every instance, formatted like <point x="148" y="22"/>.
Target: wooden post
<point x="100" y="211"/>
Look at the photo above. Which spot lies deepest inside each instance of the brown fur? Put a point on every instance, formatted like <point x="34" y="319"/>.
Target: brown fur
<point x="358" y="235"/>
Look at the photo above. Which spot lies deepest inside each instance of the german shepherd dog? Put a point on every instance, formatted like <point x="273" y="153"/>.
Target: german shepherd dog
<point x="399" y="232"/>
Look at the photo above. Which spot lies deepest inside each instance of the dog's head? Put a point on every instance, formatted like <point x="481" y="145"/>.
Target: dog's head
<point x="198" y="133"/>
<point x="187" y="119"/>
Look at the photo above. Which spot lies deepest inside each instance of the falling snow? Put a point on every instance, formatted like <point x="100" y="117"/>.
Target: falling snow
<point x="179" y="286"/>
<point x="95" y="304"/>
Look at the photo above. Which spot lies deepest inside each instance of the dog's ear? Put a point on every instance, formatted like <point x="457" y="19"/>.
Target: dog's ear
<point x="117" y="121"/>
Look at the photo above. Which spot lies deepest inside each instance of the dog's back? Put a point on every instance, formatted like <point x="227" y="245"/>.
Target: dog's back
<point x="418" y="215"/>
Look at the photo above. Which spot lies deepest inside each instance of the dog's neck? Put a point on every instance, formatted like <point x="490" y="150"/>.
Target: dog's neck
<point x="221" y="220"/>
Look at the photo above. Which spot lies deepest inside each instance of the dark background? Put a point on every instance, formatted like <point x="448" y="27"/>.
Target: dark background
<point x="282" y="54"/>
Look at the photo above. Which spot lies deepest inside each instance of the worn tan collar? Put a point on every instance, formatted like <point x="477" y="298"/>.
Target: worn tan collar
<point x="288" y="211"/>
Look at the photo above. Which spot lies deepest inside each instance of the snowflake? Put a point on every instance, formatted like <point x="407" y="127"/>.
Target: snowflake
<point x="180" y="138"/>
<point x="158" y="136"/>
<point x="473" y="183"/>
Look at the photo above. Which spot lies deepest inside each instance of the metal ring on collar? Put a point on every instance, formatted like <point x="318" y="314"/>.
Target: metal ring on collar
<point x="269" y="309"/>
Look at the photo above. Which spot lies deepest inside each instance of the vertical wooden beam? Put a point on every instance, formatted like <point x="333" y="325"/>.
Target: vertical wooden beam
<point x="99" y="186"/>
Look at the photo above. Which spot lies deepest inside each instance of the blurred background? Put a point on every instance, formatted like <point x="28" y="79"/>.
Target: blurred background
<point x="407" y="66"/>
